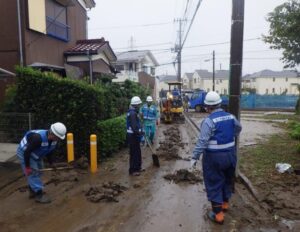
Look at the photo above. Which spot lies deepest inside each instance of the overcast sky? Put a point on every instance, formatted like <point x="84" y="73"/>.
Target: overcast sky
<point x="151" y="25"/>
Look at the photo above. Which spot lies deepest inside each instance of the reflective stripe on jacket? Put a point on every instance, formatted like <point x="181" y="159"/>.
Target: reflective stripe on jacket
<point x="43" y="150"/>
<point x="223" y="135"/>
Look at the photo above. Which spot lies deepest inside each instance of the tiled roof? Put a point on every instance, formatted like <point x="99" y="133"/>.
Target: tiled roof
<point x="270" y="73"/>
<point x="219" y="74"/>
<point x="189" y="75"/>
<point x="165" y="78"/>
<point x="83" y="46"/>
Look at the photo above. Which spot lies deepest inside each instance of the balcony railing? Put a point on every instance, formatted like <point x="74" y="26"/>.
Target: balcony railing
<point x="57" y="29"/>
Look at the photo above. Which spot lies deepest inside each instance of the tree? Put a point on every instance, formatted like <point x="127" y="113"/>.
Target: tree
<point x="284" y="31"/>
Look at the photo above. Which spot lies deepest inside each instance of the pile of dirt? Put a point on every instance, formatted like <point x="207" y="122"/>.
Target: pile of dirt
<point x="106" y="192"/>
<point x="169" y="148"/>
<point x="183" y="175"/>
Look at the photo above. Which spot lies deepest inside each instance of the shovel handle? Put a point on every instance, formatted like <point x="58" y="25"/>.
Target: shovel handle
<point x="52" y="169"/>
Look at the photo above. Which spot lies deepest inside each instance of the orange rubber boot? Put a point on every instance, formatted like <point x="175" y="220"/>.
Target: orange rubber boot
<point x="225" y="206"/>
<point x="218" y="218"/>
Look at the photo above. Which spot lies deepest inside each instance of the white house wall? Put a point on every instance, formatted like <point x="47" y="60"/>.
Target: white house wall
<point x="262" y="84"/>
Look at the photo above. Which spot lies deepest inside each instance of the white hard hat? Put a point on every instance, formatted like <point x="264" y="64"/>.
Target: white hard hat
<point x="59" y="130"/>
<point x="135" y="101"/>
<point x="149" y="99"/>
<point x="212" y="98"/>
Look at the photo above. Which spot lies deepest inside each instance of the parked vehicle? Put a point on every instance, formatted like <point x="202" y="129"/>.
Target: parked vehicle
<point x="196" y="101"/>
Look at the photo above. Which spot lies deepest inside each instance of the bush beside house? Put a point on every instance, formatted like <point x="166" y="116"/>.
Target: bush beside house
<point x="84" y="109"/>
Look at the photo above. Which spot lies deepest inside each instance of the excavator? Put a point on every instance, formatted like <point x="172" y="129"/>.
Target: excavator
<point x="171" y="105"/>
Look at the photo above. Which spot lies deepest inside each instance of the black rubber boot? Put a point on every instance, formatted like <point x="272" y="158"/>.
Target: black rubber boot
<point x="40" y="197"/>
<point x="31" y="193"/>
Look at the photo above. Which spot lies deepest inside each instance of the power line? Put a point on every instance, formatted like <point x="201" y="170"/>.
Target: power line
<point x="197" y="7"/>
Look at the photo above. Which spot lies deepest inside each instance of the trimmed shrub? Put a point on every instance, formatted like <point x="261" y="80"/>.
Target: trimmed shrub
<point x="111" y="135"/>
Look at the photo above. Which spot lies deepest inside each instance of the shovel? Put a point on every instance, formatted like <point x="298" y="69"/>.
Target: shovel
<point x="154" y="156"/>
<point x="52" y="169"/>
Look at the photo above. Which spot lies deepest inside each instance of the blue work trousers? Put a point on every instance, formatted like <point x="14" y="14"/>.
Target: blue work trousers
<point x="135" y="159"/>
<point x="150" y="129"/>
<point x="34" y="180"/>
<point x="218" y="173"/>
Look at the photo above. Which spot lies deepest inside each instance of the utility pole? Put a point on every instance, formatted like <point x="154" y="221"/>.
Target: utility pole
<point x="236" y="56"/>
<point x="178" y="48"/>
<point x="236" y="62"/>
<point x="213" y="88"/>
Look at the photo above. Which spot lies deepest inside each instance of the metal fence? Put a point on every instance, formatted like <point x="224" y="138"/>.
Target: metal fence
<point x="255" y="101"/>
<point x="14" y="125"/>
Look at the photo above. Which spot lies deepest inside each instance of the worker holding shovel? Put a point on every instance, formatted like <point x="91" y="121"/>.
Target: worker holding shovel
<point x="35" y="145"/>
<point x="149" y="117"/>
<point x="134" y="135"/>
<point x="217" y="144"/>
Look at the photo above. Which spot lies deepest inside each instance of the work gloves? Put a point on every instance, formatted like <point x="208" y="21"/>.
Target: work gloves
<point x="28" y="171"/>
<point x="193" y="163"/>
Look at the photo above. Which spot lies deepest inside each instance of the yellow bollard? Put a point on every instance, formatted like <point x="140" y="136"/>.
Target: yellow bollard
<point x="70" y="147"/>
<point x="93" y="151"/>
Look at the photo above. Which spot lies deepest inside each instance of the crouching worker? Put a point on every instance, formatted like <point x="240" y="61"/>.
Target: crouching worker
<point x="35" y="145"/>
<point x="217" y="144"/>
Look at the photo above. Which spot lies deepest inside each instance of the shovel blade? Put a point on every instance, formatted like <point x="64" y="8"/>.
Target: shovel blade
<point x="155" y="160"/>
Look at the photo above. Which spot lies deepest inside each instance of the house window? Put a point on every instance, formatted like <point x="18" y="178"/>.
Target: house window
<point x="152" y="71"/>
<point x="195" y="80"/>
<point x="273" y="90"/>
<point x="225" y="91"/>
<point x="56" y="20"/>
<point x="267" y="91"/>
<point x="286" y="79"/>
<point x="120" y="67"/>
<point x="130" y="67"/>
<point x="273" y="79"/>
<point x="220" y="81"/>
<point x="145" y="69"/>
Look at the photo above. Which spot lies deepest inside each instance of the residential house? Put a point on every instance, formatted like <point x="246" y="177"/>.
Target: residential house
<point x="187" y="81"/>
<point x="203" y="79"/>
<point x="272" y="82"/>
<point x="93" y="57"/>
<point x="138" y="66"/>
<point x="164" y="79"/>
<point x="47" y="29"/>
<point x="131" y="63"/>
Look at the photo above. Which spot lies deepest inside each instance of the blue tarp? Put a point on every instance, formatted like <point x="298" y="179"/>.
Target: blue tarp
<point x="252" y="101"/>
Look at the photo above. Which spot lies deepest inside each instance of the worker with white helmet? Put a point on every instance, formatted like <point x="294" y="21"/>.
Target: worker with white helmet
<point x="134" y="135"/>
<point x="149" y="116"/>
<point x="217" y="144"/>
<point x="34" y="146"/>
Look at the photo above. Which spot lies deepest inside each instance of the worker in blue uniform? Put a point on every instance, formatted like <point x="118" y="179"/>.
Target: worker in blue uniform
<point x="217" y="144"/>
<point x="34" y="146"/>
<point x="149" y="117"/>
<point x="134" y="135"/>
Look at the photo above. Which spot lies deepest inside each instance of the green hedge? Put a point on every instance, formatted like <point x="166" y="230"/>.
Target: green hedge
<point x="79" y="105"/>
<point x="76" y="104"/>
<point x="111" y="135"/>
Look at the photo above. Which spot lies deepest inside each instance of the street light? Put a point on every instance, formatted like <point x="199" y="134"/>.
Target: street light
<point x="213" y="87"/>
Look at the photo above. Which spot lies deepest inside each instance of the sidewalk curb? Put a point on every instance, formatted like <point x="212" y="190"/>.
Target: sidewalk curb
<point x="247" y="183"/>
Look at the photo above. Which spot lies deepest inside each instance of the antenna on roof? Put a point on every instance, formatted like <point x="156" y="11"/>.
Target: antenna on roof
<point x="131" y="43"/>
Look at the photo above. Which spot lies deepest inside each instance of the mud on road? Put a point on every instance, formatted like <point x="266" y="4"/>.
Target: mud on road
<point x="131" y="204"/>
